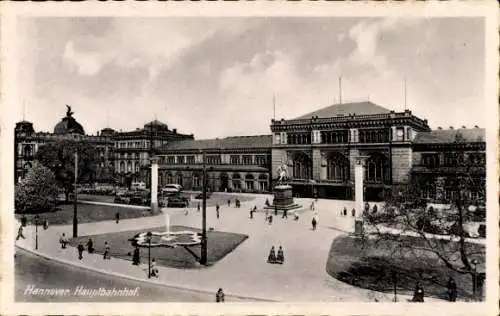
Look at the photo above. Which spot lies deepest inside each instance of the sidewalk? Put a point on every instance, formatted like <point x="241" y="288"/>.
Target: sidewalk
<point x="244" y="272"/>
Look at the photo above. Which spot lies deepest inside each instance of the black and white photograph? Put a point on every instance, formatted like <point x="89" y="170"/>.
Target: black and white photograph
<point x="250" y="158"/>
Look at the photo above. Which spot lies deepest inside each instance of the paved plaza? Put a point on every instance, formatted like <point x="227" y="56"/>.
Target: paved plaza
<point x="243" y="272"/>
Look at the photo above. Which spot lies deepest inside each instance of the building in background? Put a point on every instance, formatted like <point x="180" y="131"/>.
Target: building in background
<point x="315" y="152"/>
<point x="234" y="164"/>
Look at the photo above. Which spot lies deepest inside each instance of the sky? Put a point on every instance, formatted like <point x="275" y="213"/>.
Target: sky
<point x="217" y="77"/>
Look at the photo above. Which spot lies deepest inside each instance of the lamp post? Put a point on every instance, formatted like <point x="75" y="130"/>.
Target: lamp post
<point x="37" y="218"/>
<point x="203" y="256"/>
<point x="394" y="282"/>
<point x="149" y="235"/>
<point x="474" y="263"/>
<point x="75" y="219"/>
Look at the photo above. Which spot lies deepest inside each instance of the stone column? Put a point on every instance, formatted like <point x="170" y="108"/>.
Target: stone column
<point x="358" y="184"/>
<point x="154" y="184"/>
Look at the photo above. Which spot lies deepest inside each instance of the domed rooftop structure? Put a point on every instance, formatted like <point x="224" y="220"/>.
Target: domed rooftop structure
<point x="24" y="127"/>
<point x="68" y="125"/>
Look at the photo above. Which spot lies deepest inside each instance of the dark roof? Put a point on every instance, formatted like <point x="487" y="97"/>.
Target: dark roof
<point x="233" y="142"/>
<point x="358" y="108"/>
<point x="441" y="136"/>
<point x="155" y="123"/>
<point x="24" y="127"/>
<point x="68" y="125"/>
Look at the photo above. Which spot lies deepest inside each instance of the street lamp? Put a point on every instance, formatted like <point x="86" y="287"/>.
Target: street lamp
<point x="148" y="236"/>
<point x="394" y="282"/>
<point x="203" y="256"/>
<point x="37" y="218"/>
<point x="75" y="219"/>
<point x="474" y="263"/>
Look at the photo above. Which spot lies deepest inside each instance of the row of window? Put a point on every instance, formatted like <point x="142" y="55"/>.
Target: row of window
<point x="342" y="137"/>
<point x="452" y="159"/>
<point x="216" y="160"/>
<point x="142" y="144"/>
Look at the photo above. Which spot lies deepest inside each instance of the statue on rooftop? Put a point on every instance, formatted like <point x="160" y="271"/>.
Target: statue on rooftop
<point x="69" y="113"/>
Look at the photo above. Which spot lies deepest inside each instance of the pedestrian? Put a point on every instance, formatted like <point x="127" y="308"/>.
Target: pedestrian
<point x="90" y="246"/>
<point x="106" y="251"/>
<point x="154" y="268"/>
<point x="270" y="219"/>
<point x="198" y="207"/>
<point x="229" y="203"/>
<point x="375" y="209"/>
<point x="251" y="213"/>
<point x="267" y="202"/>
<point x="217" y="207"/>
<point x="24" y="221"/>
<point x="45" y="224"/>
<point x="271" y="258"/>
<point x="418" y="295"/>
<point x="80" y="251"/>
<point x="367" y="208"/>
<point x="314" y="223"/>
<point x="20" y="233"/>
<point x="117" y="217"/>
<point x="219" y="296"/>
<point x="280" y="258"/>
<point x="63" y="241"/>
<point x="345" y="211"/>
<point x="267" y="215"/>
<point x="353" y="212"/>
<point x="312" y="206"/>
<point x="452" y="290"/>
<point x="255" y="208"/>
<point x="186" y="211"/>
<point x="295" y="216"/>
<point x="276" y="210"/>
<point x="136" y="257"/>
<point x="285" y="215"/>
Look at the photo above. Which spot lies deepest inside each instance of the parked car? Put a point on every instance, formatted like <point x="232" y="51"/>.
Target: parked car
<point x="200" y="196"/>
<point x="177" y="202"/>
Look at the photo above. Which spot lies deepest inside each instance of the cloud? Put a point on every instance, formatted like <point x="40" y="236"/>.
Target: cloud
<point x="85" y="63"/>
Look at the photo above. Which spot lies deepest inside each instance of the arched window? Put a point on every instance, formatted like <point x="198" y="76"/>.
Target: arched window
<point x="337" y="167"/>
<point x="377" y="169"/>
<point x="169" y="178"/>
<point x="302" y="166"/>
<point x="249" y="182"/>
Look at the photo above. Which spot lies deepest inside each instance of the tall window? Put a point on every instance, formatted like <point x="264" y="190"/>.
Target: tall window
<point x="235" y="159"/>
<point x="377" y="169"/>
<point x="180" y="160"/>
<point x="190" y="160"/>
<point x="261" y="160"/>
<point x="338" y="168"/>
<point x="247" y="159"/>
<point x="170" y="160"/>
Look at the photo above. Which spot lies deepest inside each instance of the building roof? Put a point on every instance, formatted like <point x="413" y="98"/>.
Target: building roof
<point x="233" y="142"/>
<point x="358" y="108"/>
<point x="441" y="136"/>
<point x="68" y="125"/>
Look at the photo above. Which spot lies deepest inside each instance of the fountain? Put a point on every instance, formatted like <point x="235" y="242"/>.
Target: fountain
<point x="167" y="222"/>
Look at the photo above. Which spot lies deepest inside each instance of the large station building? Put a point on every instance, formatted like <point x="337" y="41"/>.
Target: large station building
<point x="317" y="152"/>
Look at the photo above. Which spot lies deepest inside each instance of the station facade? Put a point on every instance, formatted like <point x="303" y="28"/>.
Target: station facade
<point x="316" y="152"/>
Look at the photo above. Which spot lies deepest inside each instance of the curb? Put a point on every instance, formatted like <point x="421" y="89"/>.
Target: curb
<point x="114" y="204"/>
<point x="81" y="266"/>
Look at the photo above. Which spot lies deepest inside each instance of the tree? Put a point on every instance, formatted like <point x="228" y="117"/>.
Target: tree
<point x="59" y="156"/>
<point x="409" y="214"/>
<point x="37" y="192"/>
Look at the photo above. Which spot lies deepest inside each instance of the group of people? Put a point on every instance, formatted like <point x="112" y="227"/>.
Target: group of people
<point x="237" y="203"/>
<point x="344" y="212"/>
<point x="276" y="258"/>
<point x="89" y="245"/>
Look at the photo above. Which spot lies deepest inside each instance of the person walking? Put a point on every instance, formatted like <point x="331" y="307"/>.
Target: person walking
<point x="285" y="213"/>
<point x="219" y="296"/>
<point x="20" y="233"/>
<point x="106" y="251"/>
<point x="90" y="246"/>
<point x="353" y="212"/>
<point x="117" y="217"/>
<point x="312" y="206"/>
<point x="136" y="257"/>
<point x="270" y="219"/>
<point x="295" y="215"/>
<point x="452" y="290"/>
<point x="63" y="241"/>
<point x="229" y="203"/>
<point x="314" y="223"/>
<point x="345" y="211"/>
<point x="276" y="210"/>
<point x="251" y="213"/>
<point x="198" y="207"/>
<point x="80" y="251"/>
<point x="271" y="258"/>
<point x="154" y="268"/>
<point x="217" y="207"/>
<point x="418" y="295"/>
<point x="280" y="258"/>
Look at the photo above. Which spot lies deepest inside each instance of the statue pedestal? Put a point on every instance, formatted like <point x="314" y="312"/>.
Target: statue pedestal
<point x="283" y="199"/>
